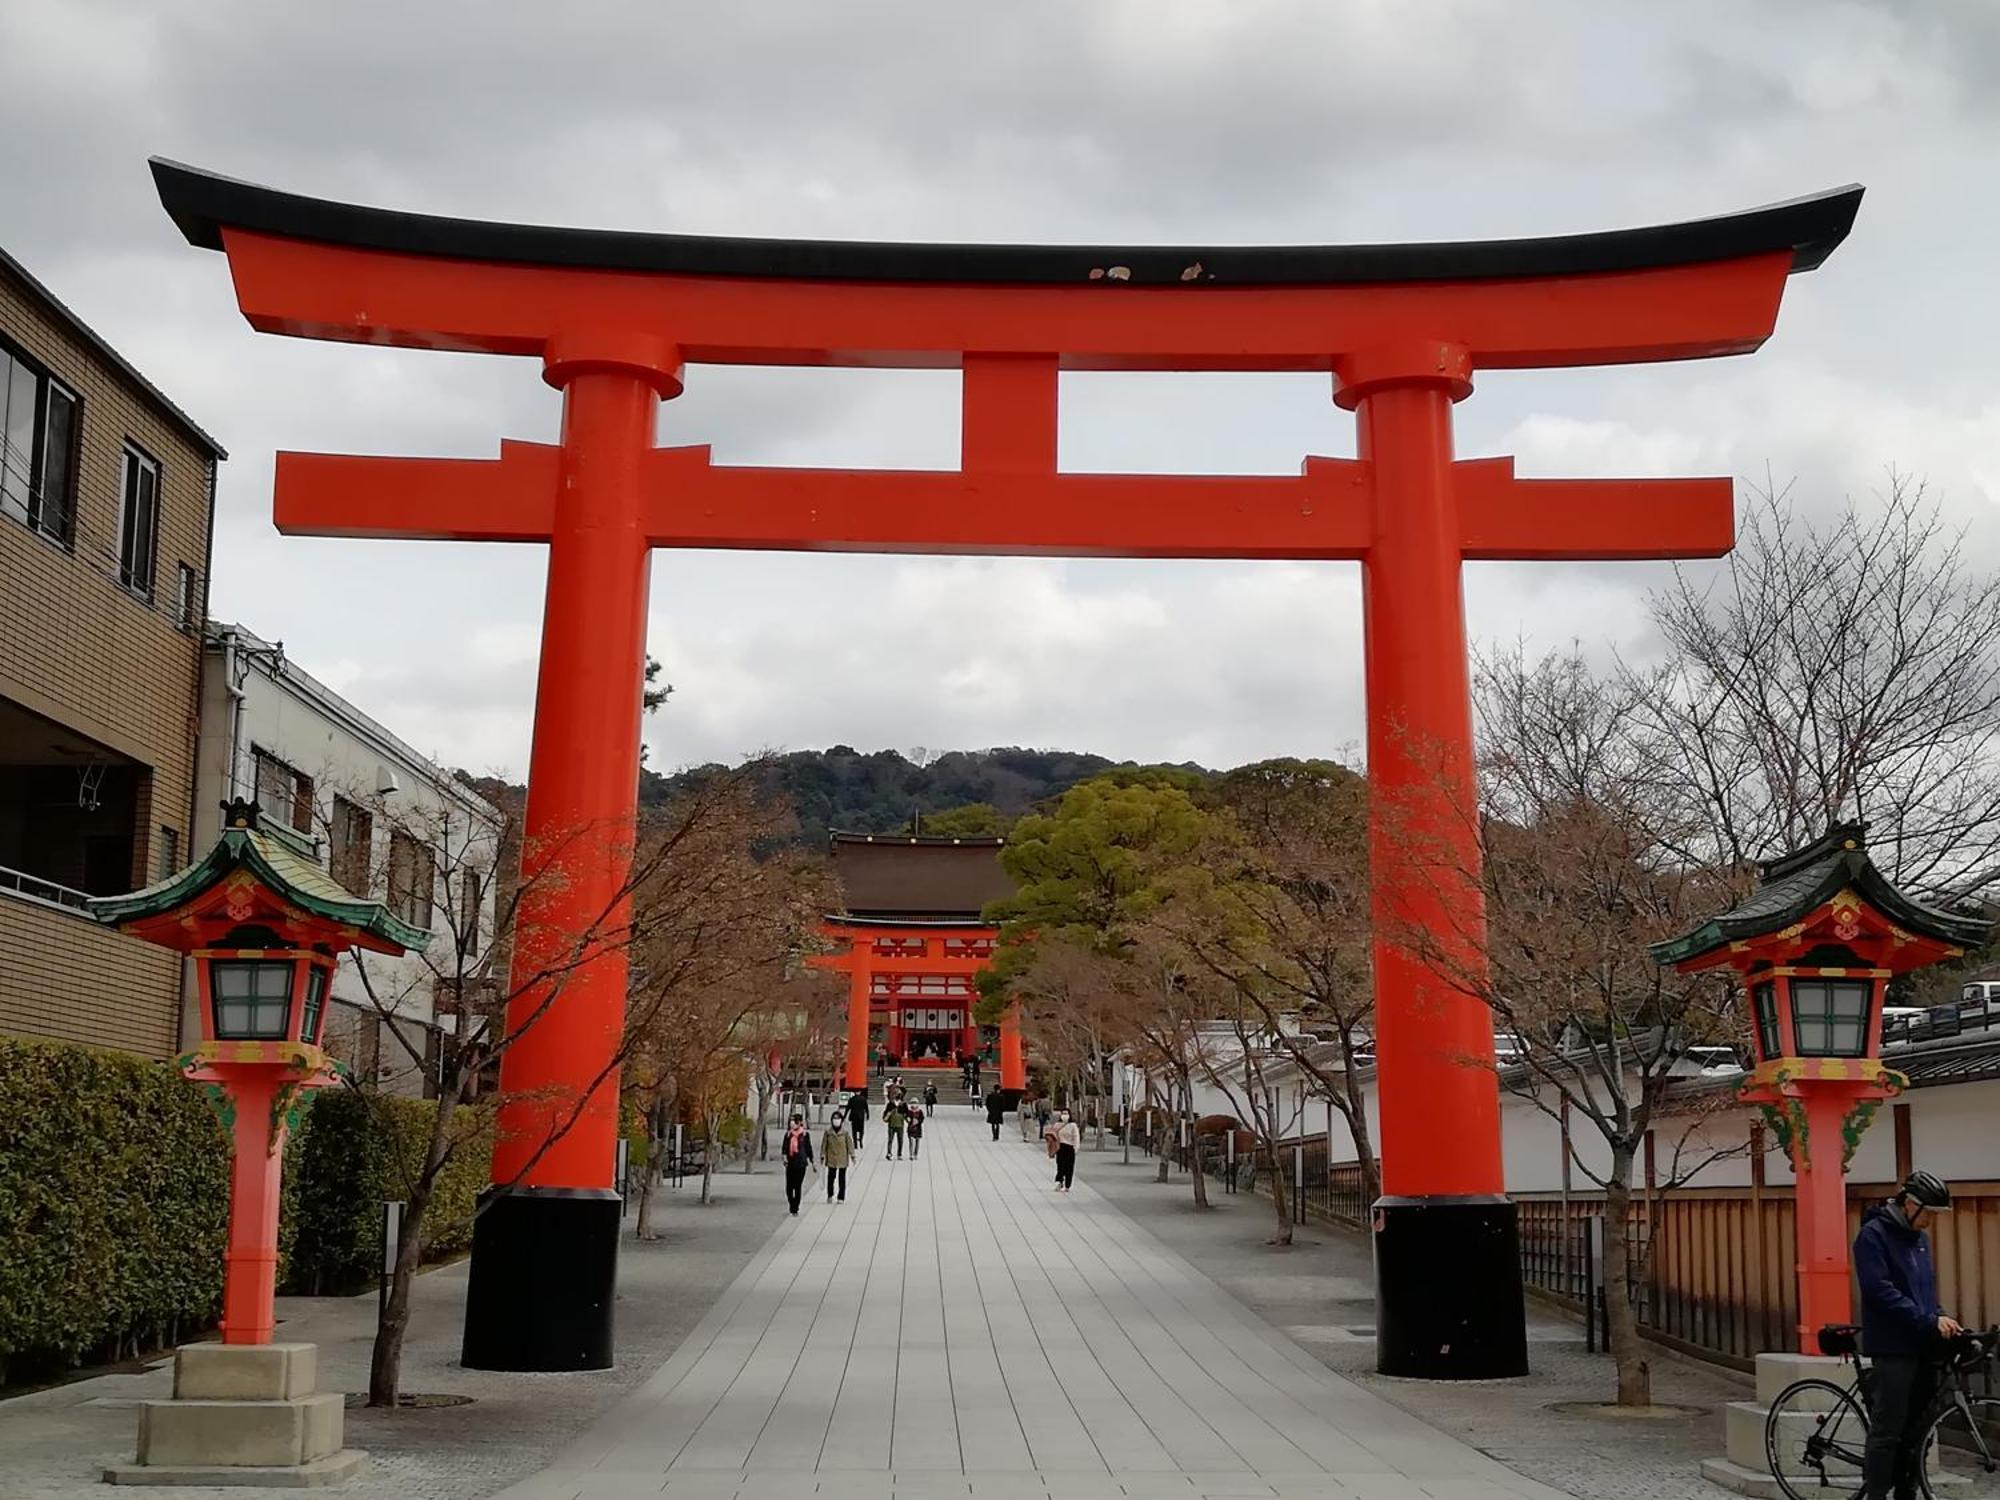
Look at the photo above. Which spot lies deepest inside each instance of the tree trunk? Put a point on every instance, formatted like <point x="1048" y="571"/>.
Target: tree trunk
<point x="708" y="1172"/>
<point x="1200" y="1177"/>
<point x="1280" y="1199"/>
<point x="385" y="1360"/>
<point x="1635" y="1375"/>
<point x="763" y="1120"/>
<point x="1356" y="1115"/>
<point x="650" y="1183"/>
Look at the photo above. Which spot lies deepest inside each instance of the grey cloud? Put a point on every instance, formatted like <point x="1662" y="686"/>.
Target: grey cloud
<point x="1259" y="120"/>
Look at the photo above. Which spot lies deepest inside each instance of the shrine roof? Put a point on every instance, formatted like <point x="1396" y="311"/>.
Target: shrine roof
<point x="276" y="859"/>
<point x="203" y="204"/>
<point x="1795" y="884"/>
<point x="886" y="876"/>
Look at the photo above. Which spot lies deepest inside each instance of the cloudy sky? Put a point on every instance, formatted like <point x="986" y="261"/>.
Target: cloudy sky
<point x="1122" y="121"/>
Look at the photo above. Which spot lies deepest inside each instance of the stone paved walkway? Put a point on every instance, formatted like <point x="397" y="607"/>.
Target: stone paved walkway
<point x="957" y="1328"/>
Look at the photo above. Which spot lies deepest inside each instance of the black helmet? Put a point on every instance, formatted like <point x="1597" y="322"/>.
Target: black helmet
<point x="1928" y="1191"/>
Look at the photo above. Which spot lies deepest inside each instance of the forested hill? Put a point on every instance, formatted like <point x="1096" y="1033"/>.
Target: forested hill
<point x="877" y="792"/>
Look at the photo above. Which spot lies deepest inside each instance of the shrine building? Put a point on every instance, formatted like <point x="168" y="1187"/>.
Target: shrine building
<point x="914" y="941"/>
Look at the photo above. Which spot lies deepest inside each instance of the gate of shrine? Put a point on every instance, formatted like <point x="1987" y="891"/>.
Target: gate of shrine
<point x="615" y="317"/>
<point x="912" y="943"/>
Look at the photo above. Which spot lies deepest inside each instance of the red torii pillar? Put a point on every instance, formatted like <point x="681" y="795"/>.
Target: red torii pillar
<point x="1401" y="328"/>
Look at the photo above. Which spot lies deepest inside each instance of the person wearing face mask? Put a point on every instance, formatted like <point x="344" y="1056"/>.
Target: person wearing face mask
<point x="836" y="1151"/>
<point x="1068" y="1137"/>
<point x="797" y="1152"/>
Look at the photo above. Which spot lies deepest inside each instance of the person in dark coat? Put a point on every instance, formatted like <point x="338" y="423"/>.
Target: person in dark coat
<point x="797" y="1152"/>
<point x="857" y="1115"/>
<point x="913" y="1121"/>
<point x="996" y="1111"/>
<point x="1903" y="1330"/>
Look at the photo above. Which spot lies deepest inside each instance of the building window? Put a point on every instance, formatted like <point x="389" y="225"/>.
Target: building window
<point x="468" y="912"/>
<point x="283" y="793"/>
<point x="170" y="853"/>
<point x="187" y="608"/>
<point x="39" y="424"/>
<point x="412" y="875"/>
<point x="352" y="843"/>
<point x="138" y="522"/>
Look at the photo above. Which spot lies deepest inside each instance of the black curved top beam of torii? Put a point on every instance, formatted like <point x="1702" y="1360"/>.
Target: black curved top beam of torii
<point x="203" y="203"/>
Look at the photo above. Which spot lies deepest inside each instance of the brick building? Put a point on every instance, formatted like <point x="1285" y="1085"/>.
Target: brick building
<point x="107" y="498"/>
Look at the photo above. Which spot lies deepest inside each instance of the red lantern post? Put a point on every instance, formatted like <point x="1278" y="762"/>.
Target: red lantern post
<point x="265" y="926"/>
<point x="1814" y="948"/>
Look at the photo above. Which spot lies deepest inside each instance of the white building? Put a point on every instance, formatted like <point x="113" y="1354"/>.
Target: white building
<point x="385" y="821"/>
<point x="1949" y="1120"/>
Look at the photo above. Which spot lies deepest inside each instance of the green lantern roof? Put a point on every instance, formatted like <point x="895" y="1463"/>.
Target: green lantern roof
<point x="1800" y="882"/>
<point x="278" y="859"/>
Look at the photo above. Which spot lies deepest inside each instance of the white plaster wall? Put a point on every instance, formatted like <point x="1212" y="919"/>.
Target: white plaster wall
<point x="344" y="757"/>
<point x="1954" y="1131"/>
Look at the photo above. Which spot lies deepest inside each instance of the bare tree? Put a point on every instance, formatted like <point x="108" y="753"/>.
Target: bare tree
<point x="1283" y="917"/>
<point x="1580" y="835"/>
<point x="672" y="914"/>
<point x="1846" y="669"/>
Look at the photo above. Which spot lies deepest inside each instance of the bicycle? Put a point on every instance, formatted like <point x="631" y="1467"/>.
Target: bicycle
<point x="1817" y="1431"/>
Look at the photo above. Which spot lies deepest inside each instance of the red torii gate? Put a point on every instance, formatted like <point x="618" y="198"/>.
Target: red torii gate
<point x="614" y="317"/>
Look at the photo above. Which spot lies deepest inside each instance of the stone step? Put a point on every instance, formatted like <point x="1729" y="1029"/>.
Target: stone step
<point x="1741" y="1479"/>
<point x="1776" y="1371"/>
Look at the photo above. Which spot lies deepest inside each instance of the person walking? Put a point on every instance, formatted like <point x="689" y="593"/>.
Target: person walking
<point x="914" y="1124"/>
<point x="895" y="1119"/>
<point x="836" y="1151"/>
<point x="996" y="1111"/>
<point x="857" y="1114"/>
<point x="1903" y="1331"/>
<point x="798" y="1156"/>
<point x="930" y="1097"/>
<point x="1068" y="1137"/>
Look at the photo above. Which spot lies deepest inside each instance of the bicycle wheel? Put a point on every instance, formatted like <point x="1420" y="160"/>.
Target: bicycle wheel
<point x="1814" y="1439"/>
<point x="1962" y="1444"/>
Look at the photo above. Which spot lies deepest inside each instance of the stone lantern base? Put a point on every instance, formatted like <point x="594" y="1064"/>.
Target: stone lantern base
<point x="1744" y="1468"/>
<point x="242" y="1414"/>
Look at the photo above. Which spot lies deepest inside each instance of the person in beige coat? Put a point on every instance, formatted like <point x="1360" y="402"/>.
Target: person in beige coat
<point x="836" y="1154"/>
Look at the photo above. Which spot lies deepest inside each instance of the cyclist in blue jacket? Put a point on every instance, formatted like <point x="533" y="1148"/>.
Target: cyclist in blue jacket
<point x="1903" y="1330"/>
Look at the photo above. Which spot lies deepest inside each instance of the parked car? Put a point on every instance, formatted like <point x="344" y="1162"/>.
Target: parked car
<point x="1979" y="1004"/>
<point x="1714" y="1062"/>
<point x="1899" y="1023"/>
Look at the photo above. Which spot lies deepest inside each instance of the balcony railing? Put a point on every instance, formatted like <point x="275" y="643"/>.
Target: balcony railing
<point x="48" y="892"/>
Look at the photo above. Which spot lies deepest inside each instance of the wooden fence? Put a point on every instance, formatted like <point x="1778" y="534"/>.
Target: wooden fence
<point x="1721" y="1278"/>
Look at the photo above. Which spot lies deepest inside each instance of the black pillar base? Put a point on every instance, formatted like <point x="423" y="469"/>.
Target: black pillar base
<point x="1448" y="1300"/>
<point x="544" y="1274"/>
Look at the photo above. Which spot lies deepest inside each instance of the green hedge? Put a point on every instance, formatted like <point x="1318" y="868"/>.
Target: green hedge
<point x="114" y="1201"/>
<point x="342" y="1165"/>
<point x="114" y="1195"/>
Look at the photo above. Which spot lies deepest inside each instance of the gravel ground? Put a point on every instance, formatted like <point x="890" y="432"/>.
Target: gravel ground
<point x="54" y="1443"/>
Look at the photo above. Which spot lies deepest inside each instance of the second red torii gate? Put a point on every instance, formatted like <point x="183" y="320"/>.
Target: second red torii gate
<point x="615" y="317"/>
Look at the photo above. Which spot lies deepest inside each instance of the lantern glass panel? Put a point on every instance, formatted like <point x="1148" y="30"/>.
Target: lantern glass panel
<point x="253" y="998"/>
<point x="1830" y="1016"/>
<point x="1765" y="1002"/>
<point x="315" y="1003"/>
